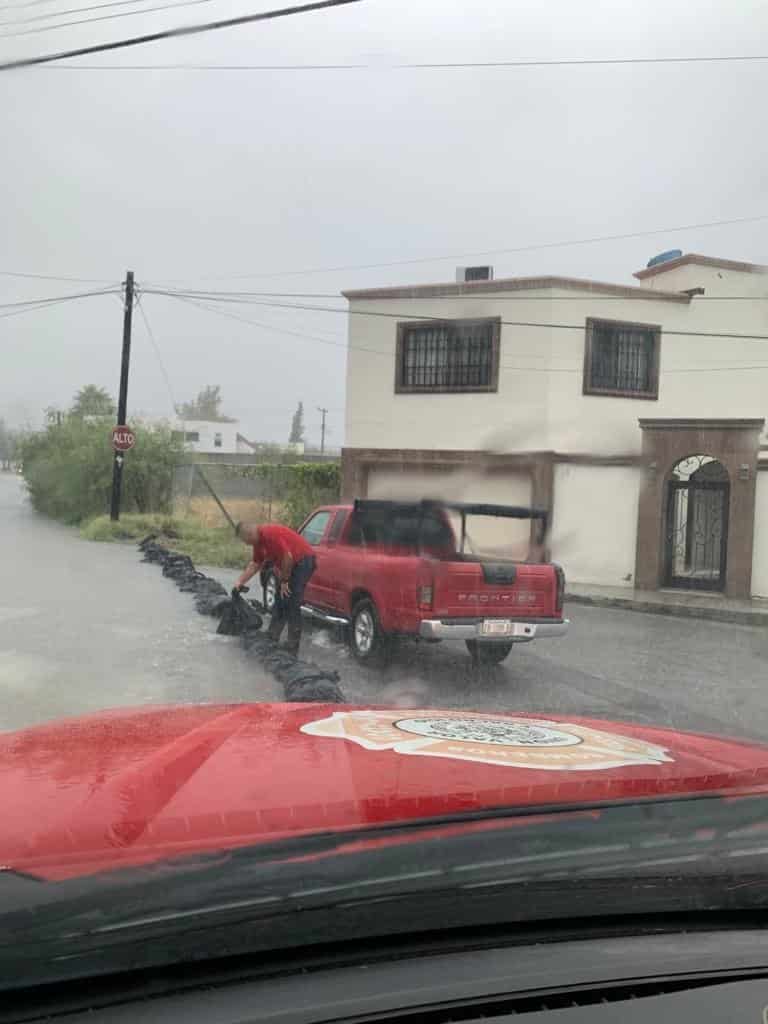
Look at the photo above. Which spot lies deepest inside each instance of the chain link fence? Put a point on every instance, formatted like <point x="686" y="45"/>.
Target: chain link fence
<point x="265" y="492"/>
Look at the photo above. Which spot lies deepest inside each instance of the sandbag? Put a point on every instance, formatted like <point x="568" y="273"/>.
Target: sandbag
<point x="242" y="617"/>
<point x="238" y="617"/>
<point x="323" y="691"/>
<point x="212" y="604"/>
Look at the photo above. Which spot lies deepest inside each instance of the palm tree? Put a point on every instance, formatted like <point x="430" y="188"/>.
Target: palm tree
<point x="93" y="401"/>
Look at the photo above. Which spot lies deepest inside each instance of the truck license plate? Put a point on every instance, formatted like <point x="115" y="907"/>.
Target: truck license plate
<point x="497" y="627"/>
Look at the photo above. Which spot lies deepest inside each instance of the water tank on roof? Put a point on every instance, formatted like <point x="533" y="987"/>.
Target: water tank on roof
<point x="665" y="257"/>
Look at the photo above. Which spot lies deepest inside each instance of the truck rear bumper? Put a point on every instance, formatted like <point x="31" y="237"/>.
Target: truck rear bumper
<point x="470" y="629"/>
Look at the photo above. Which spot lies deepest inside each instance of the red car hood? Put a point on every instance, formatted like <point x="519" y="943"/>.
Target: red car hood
<point x="124" y="788"/>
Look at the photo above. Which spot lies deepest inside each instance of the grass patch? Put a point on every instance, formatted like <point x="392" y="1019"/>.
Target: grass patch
<point x="132" y="526"/>
<point x="205" y="545"/>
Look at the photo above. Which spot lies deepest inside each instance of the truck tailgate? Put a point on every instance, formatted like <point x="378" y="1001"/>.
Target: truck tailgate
<point x="494" y="589"/>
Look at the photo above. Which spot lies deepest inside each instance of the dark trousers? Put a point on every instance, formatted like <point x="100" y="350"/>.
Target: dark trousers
<point x="288" y="609"/>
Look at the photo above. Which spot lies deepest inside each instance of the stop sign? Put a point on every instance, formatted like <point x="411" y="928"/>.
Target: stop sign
<point x="123" y="439"/>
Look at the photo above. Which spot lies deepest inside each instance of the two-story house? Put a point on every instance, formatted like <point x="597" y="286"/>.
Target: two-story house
<point x="635" y="414"/>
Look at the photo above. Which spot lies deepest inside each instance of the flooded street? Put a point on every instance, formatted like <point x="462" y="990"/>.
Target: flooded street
<point x="86" y="626"/>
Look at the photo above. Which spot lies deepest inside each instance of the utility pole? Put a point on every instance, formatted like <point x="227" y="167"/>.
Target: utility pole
<point x="322" y="429"/>
<point x="122" y="402"/>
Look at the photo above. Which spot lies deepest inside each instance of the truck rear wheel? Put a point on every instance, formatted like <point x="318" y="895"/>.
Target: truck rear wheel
<point x="366" y="640"/>
<point x="488" y="654"/>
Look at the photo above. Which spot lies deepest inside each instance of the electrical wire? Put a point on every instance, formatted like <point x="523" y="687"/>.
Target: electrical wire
<point x="9" y="8"/>
<point x="90" y="21"/>
<point x="446" y="319"/>
<point x="389" y="355"/>
<point x="541" y="246"/>
<point x="53" y="277"/>
<point x="33" y="305"/>
<point x="156" y="347"/>
<point x="268" y="327"/>
<point x="55" y="298"/>
<point x="73" y="10"/>
<point x="434" y="66"/>
<point x="245" y="297"/>
<point x="175" y="33"/>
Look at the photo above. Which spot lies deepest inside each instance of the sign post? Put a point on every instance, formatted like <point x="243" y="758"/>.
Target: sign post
<point x="121" y="430"/>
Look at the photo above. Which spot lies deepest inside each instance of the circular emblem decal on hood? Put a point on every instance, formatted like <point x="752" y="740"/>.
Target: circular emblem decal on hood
<point x="489" y="739"/>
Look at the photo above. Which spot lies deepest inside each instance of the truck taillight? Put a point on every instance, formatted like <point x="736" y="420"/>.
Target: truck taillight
<point x="560" y="594"/>
<point x="424" y="595"/>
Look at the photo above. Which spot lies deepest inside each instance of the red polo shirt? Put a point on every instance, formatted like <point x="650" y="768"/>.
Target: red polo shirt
<point x="277" y="541"/>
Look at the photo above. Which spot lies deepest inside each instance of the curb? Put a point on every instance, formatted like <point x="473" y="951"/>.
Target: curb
<point x="681" y="611"/>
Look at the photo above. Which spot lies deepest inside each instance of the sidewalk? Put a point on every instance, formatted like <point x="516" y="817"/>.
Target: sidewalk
<point x="685" y="604"/>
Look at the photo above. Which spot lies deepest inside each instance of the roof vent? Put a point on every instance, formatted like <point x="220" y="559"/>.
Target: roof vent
<point x="464" y="274"/>
<point x="665" y="257"/>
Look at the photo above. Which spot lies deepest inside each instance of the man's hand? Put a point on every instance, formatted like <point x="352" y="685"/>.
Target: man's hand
<point x="247" y="574"/>
<point x="285" y="588"/>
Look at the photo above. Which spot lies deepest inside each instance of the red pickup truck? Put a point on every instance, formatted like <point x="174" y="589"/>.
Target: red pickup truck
<point x="397" y="569"/>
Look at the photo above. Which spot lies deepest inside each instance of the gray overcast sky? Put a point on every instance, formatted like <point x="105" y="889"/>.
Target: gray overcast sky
<point x="187" y="176"/>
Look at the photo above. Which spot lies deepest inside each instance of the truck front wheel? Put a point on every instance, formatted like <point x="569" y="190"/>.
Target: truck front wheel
<point x="366" y="640"/>
<point x="488" y="654"/>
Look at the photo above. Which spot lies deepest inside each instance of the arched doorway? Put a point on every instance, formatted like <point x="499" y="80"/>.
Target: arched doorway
<point x="696" y="540"/>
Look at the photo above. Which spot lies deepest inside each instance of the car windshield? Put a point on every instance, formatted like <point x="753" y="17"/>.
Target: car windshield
<point x="383" y="469"/>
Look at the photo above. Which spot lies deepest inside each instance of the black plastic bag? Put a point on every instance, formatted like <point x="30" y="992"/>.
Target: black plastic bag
<point x="239" y="617"/>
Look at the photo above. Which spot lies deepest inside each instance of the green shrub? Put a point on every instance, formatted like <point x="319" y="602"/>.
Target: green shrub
<point x="309" y="484"/>
<point x="68" y="470"/>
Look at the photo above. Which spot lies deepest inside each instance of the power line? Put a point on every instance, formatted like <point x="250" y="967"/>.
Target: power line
<point x="207" y="67"/>
<point x="53" y="277"/>
<point x="447" y="319"/>
<point x="429" y="66"/>
<point x="33" y="305"/>
<point x="55" y="298"/>
<point x="389" y="355"/>
<point x="485" y="252"/>
<point x="259" y="323"/>
<point x="38" y="3"/>
<point x="61" y="14"/>
<point x="245" y="298"/>
<point x="156" y="347"/>
<point x="172" y="33"/>
<point x="90" y="21"/>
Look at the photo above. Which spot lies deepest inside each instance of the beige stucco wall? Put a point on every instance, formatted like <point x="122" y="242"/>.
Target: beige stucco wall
<point x="760" y="550"/>
<point x="594" y="526"/>
<point x="378" y="418"/>
<point x="539" y="403"/>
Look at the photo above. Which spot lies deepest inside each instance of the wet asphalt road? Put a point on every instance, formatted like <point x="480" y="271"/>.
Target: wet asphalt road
<point x="87" y="626"/>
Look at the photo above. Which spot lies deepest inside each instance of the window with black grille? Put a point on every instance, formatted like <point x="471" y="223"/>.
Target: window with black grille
<point x="455" y="355"/>
<point x="622" y="359"/>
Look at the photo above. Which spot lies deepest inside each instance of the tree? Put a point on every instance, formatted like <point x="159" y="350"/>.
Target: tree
<point x="93" y="401"/>
<point x="207" y="406"/>
<point x="68" y="469"/>
<point x="297" y="426"/>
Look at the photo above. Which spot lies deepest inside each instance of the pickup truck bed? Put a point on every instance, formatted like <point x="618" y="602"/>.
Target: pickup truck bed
<point x="394" y="569"/>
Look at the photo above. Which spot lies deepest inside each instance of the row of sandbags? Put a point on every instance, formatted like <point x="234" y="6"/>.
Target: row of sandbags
<point x="238" y="616"/>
